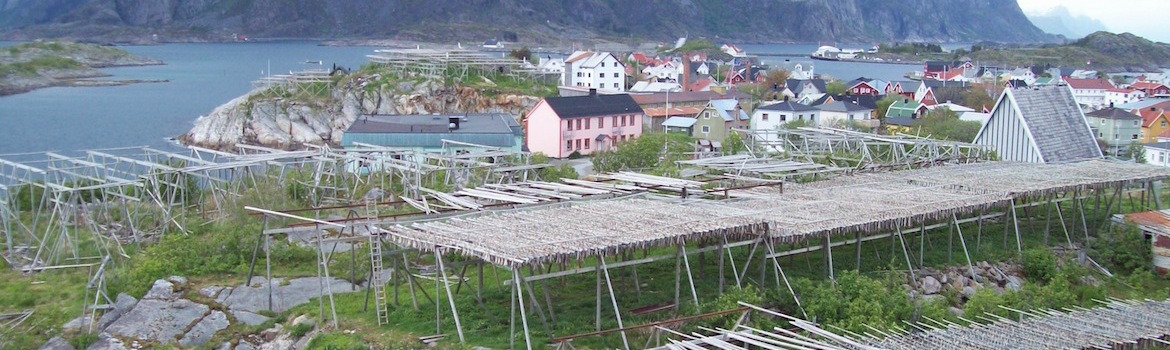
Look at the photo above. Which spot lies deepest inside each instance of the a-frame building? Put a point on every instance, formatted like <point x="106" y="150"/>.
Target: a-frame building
<point x="1041" y="124"/>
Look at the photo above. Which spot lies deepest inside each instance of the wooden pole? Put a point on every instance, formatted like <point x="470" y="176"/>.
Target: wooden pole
<point x="616" y="311"/>
<point x="683" y="251"/>
<point x="450" y="297"/>
<point x="523" y="315"/>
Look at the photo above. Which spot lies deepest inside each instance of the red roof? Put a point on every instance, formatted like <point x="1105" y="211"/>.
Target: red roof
<point x="1089" y="84"/>
<point x="951" y="74"/>
<point x="1146" y="85"/>
<point x="1149" y="115"/>
<point x="701" y="84"/>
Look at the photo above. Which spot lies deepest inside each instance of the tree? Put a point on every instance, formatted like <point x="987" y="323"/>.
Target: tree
<point x="733" y="144"/>
<point x="522" y="53"/>
<point x="651" y="150"/>
<point x="977" y="98"/>
<point x="944" y="124"/>
<point x="1136" y="152"/>
<point x="835" y="87"/>
<point x="883" y="105"/>
<point x="776" y="78"/>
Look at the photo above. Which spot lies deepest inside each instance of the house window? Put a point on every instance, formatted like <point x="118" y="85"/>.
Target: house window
<point x="765" y="117"/>
<point x="578" y="142"/>
<point x="603" y="64"/>
<point x="587" y="122"/>
<point x="1135" y="137"/>
<point x="615" y="85"/>
<point x="600" y="122"/>
<point x="586" y="143"/>
<point x="614" y="121"/>
<point x="601" y="75"/>
<point x="623" y="120"/>
<point x="568" y="125"/>
<point x="1135" y="123"/>
<point x="706" y="129"/>
<point x="1163" y="123"/>
<point x="707" y="115"/>
<point x="578" y="124"/>
<point x="783" y="117"/>
<point x="568" y="145"/>
<point x="578" y="74"/>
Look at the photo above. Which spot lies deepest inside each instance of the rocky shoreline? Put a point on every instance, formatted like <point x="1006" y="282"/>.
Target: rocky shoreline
<point x="36" y="65"/>
<point x="290" y="123"/>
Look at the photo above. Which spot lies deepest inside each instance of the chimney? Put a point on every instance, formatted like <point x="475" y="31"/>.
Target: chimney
<point x="454" y="122"/>
<point x="686" y="81"/>
<point x="1110" y="104"/>
<point x="592" y="91"/>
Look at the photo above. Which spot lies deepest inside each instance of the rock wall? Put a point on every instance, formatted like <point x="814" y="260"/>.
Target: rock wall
<point x="288" y="123"/>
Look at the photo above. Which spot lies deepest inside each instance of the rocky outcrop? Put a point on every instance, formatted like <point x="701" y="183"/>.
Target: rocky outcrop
<point x="1001" y="277"/>
<point x="451" y="20"/>
<point x="289" y="122"/>
<point x="36" y="65"/>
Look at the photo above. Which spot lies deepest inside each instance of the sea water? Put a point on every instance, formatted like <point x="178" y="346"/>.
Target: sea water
<point x="204" y="76"/>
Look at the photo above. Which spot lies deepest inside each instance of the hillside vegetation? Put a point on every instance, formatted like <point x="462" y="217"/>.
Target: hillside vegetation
<point x="1101" y="50"/>
<point x="34" y="65"/>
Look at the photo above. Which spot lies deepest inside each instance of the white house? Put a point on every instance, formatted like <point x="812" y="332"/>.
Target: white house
<point x="600" y="70"/>
<point x="552" y="65"/>
<point x="1041" y="124"/>
<point x="797" y="89"/>
<point x="1024" y="74"/>
<point x="773" y="116"/>
<point x="1158" y="153"/>
<point x="732" y="50"/>
<point x="800" y="70"/>
<point x="1116" y="96"/>
<point x="1090" y="92"/>
<point x="841" y="114"/>
<point x="671" y="71"/>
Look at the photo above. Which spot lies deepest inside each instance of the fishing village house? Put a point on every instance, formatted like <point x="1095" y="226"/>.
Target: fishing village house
<point x="845" y="113"/>
<point x="552" y="65"/>
<point x="559" y="126"/>
<point x="733" y="50"/>
<point x="1040" y="124"/>
<point x="594" y="70"/>
<point x="1154" y="123"/>
<point x="797" y="89"/>
<point x="716" y="121"/>
<point x="867" y="86"/>
<point x="800" y="70"/>
<point x="903" y="113"/>
<point x="1151" y="88"/>
<point x="426" y="133"/>
<point x="1116" y="127"/>
<point x="1089" y="92"/>
<point x="932" y="69"/>
<point x="681" y="104"/>
<point x="906" y="88"/>
<point x="774" y="116"/>
<point x="1118" y="96"/>
<point x="1158" y="153"/>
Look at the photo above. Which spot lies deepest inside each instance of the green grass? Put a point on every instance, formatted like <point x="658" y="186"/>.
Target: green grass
<point x="54" y="297"/>
<point x="35" y="66"/>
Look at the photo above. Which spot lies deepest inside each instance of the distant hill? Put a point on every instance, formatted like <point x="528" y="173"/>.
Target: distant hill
<point x="1058" y="20"/>
<point x="1101" y="51"/>
<point x="854" y="21"/>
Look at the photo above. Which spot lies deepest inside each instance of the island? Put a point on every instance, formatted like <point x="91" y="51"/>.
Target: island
<point x="34" y="65"/>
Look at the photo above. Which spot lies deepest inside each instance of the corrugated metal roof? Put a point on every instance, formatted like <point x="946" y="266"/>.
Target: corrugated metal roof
<point x="593" y="105"/>
<point x="428" y="131"/>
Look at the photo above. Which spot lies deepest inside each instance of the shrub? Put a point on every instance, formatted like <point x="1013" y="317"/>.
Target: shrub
<point x="1125" y="250"/>
<point x="1039" y="264"/>
<point x="301" y="329"/>
<point x="853" y="302"/>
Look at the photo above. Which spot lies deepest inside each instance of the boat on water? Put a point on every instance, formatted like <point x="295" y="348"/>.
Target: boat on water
<point x="913" y="75"/>
<point x="316" y="62"/>
<point x="833" y="53"/>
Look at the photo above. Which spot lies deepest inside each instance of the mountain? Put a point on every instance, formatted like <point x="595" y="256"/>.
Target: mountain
<point x="1101" y="51"/>
<point x="529" y="21"/>
<point x="1058" y="20"/>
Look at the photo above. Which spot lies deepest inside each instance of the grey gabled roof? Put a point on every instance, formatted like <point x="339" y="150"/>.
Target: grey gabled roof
<point x="842" y="106"/>
<point x="1056" y="123"/>
<point x="593" y="105"/>
<point x="1114" y="113"/>
<point x="787" y="106"/>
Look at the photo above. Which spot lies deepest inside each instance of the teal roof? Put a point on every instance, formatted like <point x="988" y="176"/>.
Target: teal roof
<point x="904" y="108"/>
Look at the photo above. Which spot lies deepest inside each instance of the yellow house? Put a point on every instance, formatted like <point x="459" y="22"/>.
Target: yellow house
<point x="1154" y="123"/>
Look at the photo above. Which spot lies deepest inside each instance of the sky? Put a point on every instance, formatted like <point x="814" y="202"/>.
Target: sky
<point x="1119" y="16"/>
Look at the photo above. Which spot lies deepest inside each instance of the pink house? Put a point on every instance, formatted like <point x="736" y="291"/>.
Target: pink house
<point x="559" y="126"/>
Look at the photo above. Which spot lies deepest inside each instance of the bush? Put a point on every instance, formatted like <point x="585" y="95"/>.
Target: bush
<point x="1039" y="264"/>
<point x="575" y="155"/>
<point x="854" y="302"/>
<point x="1125" y="250"/>
<point x="301" y="329"/>
<point x="226" y="250"/>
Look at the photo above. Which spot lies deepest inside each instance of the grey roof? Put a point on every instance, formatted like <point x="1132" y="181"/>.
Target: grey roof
<point x="842" y="106"/>
<point x="908" y="85"/>
<point x="1142" y="104"/>
<point x="797" y="86"/>
<point x="1158" y="145"/>
<point x="491" y="129"/>
<point x="726" y="107"/>
<point x="680" y="122"/>
<point x="593" y="105"/>
<point x="899" y="121"/>
<point x="1114" y="113"/>
<point x="787" y="106"/>
<point x="1056" y="123"/>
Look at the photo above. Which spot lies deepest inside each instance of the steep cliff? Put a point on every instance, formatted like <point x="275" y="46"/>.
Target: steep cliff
<point x="441" y="20"/>
<point x="259" y="119"/>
